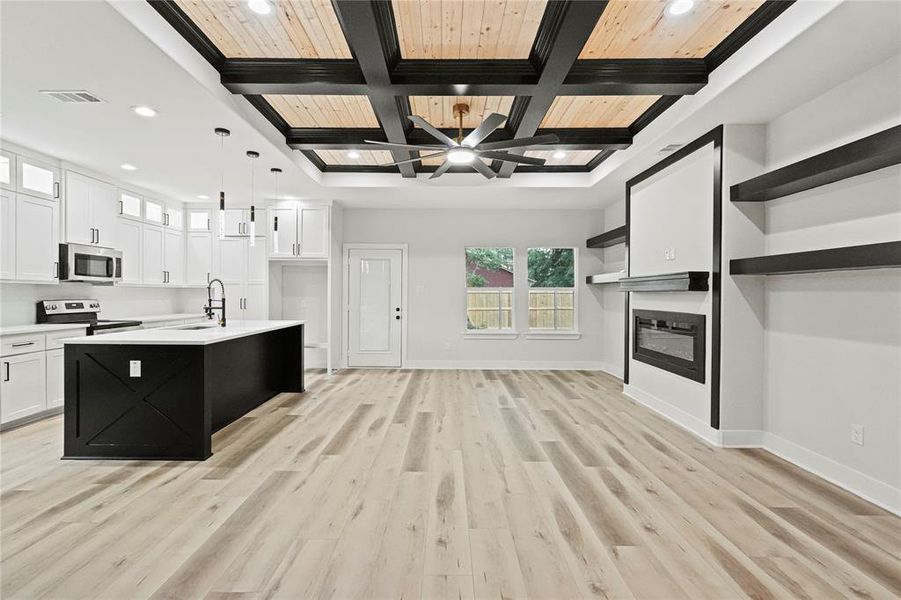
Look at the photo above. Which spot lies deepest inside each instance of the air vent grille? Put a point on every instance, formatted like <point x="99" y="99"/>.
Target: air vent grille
<point x="78" y="96"/>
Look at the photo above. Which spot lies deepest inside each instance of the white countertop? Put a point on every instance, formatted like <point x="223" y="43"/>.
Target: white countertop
<point x="179" y="336"/>
<point x="40" y="328"/>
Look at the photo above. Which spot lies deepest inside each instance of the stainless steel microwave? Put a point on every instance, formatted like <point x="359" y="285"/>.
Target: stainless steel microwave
<point x="92" y="264"/>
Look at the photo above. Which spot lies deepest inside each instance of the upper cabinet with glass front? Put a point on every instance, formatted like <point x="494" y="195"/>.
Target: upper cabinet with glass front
<point x="7" y="170"/>
<point x="129" y="205"/>
<point x="37" y="178"/>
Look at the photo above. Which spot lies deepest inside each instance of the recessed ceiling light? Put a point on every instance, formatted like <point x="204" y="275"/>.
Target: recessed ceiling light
<point x="202" y="197"/>
<point x="559" y="154"/>
<point x="680" y="7"/>
<point x="144" y="111"/>
<point x="261" y="7"/>
<point x="353" y="154"/>
<point x="460" y="156"/>
<point x="286" y="197"/>
<point x="128" y="167"/>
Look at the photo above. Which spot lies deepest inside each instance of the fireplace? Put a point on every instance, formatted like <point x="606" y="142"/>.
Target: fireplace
<point x="671" y="341"/>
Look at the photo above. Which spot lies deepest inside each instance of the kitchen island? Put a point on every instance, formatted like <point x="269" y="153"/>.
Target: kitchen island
<point x="162" y="393"/>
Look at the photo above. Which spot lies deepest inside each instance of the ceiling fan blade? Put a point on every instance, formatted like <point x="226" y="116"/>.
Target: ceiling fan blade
<point x="410" y="160"/>
<point x="404" y="146"/>
<point x="523" y="160"/>
<point x="441" y="170"/>
<point x="492" y="122"/>
<point x="435" y="133"/>
<point x="547" y="138"/>
<point x="483" y="169"/>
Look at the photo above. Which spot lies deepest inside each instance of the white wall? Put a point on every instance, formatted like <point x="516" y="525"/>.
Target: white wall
<point x="612" y="299"/>
<point x="833" y="340"/>
<point x="18" y="301"/>
<point x="436" y="312"/>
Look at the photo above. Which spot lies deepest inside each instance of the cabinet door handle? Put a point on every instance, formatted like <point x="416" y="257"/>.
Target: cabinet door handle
<point x="98" y="235"/>
<point x="121" y="207"/>
<point x="92" y="235"/>
<point x="292" y="249"/>
<point x="56" y="189"/>
<point x="207" y="224"/>
<point x="7" y="371"/>
<point x="22" y="344"/>
<point x="56" y="270"/>
<point x="208" y="277"/>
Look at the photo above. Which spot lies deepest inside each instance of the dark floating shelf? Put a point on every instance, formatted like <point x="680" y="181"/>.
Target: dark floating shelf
<point x="867" y="154"/>
<point x="885" y="255"/>
<point x="608" y="238"/>
<point x="687" y="281"/>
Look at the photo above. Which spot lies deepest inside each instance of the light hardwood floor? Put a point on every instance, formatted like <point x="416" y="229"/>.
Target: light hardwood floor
<point x="433" y="484"/>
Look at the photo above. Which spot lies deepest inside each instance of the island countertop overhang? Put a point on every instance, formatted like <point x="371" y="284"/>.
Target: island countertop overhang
<point x="184" y="335"/>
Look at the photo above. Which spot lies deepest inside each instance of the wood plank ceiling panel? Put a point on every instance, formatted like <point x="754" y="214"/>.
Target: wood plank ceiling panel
<point x="578" y="158"/>
<point x="366" y="158"/>
<point x="596" y="111"/>
<point x="439" y="110"/>
<point x="471" y="29"/>
<point x="630" y="29"/>
<point x="293" y="29"/>
<point x="324" y="111"/>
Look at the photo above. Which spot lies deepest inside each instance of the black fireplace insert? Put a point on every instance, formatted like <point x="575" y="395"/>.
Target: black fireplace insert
<point x="671" y="341"/>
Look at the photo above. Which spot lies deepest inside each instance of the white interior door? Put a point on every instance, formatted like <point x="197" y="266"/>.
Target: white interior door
<point x="375" y="309"/>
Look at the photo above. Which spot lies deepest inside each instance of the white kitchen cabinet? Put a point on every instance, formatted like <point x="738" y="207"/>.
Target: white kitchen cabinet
<point x="154" y="212"/>
<point x="174" y="256"/>
<point x="283" y="241"/>
<point x="37" y="178"/>
<point x="256" y="262"/>
<point x="7" y="234"/>
<point x="37" y="238"/>
<point x="234" y="221"/>
<point x="130" y="205"/>
<point x="198" y="219"/>
<point x="23" y="385"/>
<point x="54" y="380"/>
<point x="253" y="302"/>
<point x="303" y="231"/>
<point x="198" y="257"/>
<point x="153" y="257"/>
<point x="231" y="260"/>
<point x="174" y="217"/>
<point x="91" y="210"/>
<point x="129" y="239"/>
<point x="7" y="171"/>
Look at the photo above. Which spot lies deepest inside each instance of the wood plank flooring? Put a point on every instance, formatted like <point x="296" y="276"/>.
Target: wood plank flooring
<point x="438" y="484"/>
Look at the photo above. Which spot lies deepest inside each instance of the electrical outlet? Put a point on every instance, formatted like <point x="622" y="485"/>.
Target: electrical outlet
<point x="857" y="434"/>
<point x="134" y="368"/>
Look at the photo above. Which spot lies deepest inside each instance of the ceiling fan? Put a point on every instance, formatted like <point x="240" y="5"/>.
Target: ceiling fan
<point x="468" y="150"/>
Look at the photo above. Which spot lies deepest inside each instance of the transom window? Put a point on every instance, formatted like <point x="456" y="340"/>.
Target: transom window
<point x="489" y="288"/>
<point x="552" y="288"/>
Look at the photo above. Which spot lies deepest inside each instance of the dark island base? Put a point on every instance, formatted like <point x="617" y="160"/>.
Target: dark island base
<point x="184" y="394"/>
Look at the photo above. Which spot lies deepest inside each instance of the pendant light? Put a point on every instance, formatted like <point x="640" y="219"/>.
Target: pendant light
<point x="253" y="226"/>
<point x="275" y="171"/>
<point x="222" y="133"/>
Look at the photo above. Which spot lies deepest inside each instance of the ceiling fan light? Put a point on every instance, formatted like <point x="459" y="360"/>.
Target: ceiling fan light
<point x="461" y="156"/>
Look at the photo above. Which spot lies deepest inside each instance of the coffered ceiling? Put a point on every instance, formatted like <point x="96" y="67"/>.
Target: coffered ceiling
<point x="330" y="74"/>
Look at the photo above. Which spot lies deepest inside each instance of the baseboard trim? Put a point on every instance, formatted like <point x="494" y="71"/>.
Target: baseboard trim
<point x="504" y="365"/>
<point x="872" y="490"/>
<point x="612" y="369"/>
<point x="673" y="413"/>
<point x="860" y="484"/>
<point x="50" y="412"/>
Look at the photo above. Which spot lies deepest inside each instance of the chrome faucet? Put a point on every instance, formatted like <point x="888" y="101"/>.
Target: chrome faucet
<point x="209" y="308"/>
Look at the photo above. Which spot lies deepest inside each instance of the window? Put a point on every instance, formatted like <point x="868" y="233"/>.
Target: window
<point x="489" y="289"/>
<point x="552" y="289"/>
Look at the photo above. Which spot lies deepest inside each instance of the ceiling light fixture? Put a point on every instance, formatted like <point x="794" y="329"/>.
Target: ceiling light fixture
<point x="202" y="197"/>
<point x="559" y="154"/>
<point x="353" y="154"/>
<point x="128" y="167"/>
<point x="680" y="7"/>
<point x="144" y="111"/>
<point x="461" y="156"/>
<point x="253" y="217"/>
<point x="275" y="172"/>
<point x="261" y="7"/>
<point x="223" y="133"/>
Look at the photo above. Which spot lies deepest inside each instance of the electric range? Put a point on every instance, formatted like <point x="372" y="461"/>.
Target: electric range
<point x="81" y="311"/>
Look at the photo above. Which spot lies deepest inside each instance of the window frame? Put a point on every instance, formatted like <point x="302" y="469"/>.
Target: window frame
<point x="545" y="332"/>
<point x="497" y="332"/>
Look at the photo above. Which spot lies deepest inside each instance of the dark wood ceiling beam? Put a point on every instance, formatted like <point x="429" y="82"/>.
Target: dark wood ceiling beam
<point x="616" y="138"/>
<point x="370" y="32"/>
<point x="615" y="77"/>
<point x="563" y="32"/>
